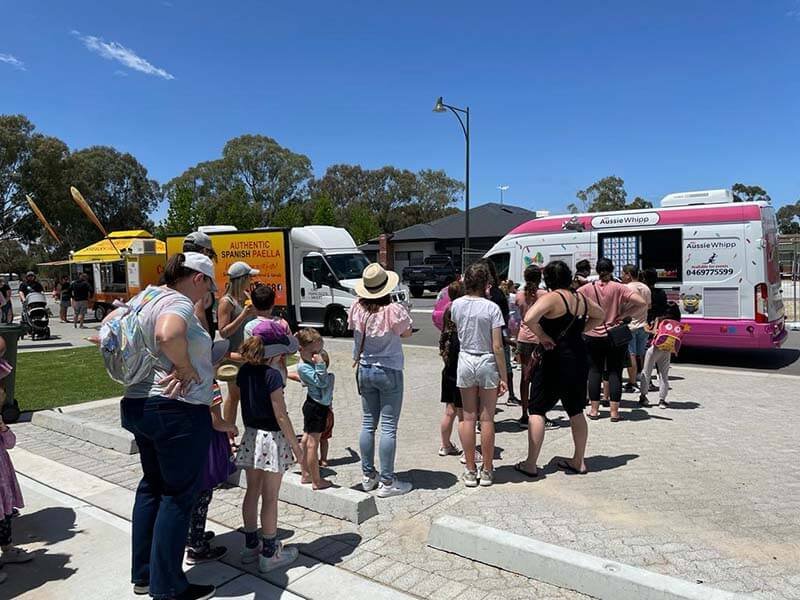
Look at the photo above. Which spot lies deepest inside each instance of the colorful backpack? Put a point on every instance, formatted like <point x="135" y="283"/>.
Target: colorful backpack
<point x="126" y="356"/>
<point x="669" y="335"/>
<point x="442" y="304"/>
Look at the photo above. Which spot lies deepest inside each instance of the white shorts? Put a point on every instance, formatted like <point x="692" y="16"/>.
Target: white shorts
<point x="477" y="370"/>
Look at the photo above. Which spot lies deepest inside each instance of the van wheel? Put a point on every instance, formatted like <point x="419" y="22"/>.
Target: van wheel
<point x="336" y="323"/>
<point x="100" y="312"/>
<point x="417" y="292"/>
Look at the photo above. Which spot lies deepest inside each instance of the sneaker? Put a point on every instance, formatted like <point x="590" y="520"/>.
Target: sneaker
<point x="207" y="554"/>
<point x="487" y="478"/>
<point x="197" y="592"/>
<point x="513" y="401"/>
<point x="15" y="555"/>
<point x="250" y="555"/>
<point x="470" y="478"/>
<point x="550" y="424"/>
<point x="141" y="589"/>
<point x="643" y="401"/>
<point x="369" y="483"/>
<point x="478" y="458"/>
<point x="629" y="388"/>
<point x="663" y="404"/>
<point x="523" y="422"/>
<point x="451" y="451"/>
<point x="283" y="557"/>
<point x="396" y="488"/>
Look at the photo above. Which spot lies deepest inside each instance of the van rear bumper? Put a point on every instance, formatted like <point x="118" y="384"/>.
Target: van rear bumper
<point x="730" y="333"/>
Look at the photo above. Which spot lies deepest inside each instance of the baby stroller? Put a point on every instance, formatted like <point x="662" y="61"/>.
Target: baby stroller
<point x="36" y="317"/>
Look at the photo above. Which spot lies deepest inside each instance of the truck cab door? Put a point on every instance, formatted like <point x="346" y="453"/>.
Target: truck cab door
<point x="315" y="290"/>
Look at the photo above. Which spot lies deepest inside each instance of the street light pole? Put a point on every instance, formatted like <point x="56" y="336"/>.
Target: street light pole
<point x="439" y="107"/>
<point x="502" y="189"/>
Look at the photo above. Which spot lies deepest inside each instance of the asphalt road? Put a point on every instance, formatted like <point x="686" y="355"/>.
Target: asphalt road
<point x="785" y="360"/>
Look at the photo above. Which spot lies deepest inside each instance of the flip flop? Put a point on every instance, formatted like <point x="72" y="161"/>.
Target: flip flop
<point x="565" y="466"/>
<point x="593" y="417"/>
<point x="519" y="469"/>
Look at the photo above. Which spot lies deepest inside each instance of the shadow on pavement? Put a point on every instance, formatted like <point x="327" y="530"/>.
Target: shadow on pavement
<point x="47" y="526"/>
<point x="598" y="463"/>
<point x="345" y="460"/>
<point x="429" y="480"/>
<point x="765" y="360"/>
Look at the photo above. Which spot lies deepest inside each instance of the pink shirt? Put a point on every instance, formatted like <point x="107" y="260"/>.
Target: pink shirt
<point x="612" y="297"/>
<point x="640" y="316"/>
<point x="525" y="335"/>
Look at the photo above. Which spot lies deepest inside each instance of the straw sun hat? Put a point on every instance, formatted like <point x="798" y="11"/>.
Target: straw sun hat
<point x="376" y="282"/>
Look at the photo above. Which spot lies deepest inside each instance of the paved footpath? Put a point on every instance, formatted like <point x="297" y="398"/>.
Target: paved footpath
<point x="708" y="491"/>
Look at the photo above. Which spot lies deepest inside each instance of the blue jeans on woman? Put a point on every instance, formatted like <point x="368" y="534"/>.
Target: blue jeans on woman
<point x="381" y="401"/>
<point x="173" y="439"/>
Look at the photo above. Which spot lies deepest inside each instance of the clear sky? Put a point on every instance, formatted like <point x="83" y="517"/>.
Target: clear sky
<point x="671" y="96"/>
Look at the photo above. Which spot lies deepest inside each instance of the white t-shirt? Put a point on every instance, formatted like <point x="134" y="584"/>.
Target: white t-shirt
<point x="199" y="346"/>
<point x="475" y="318"/>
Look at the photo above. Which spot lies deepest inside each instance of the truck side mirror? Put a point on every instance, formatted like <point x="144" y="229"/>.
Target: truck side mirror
<point x="318" y="278"/>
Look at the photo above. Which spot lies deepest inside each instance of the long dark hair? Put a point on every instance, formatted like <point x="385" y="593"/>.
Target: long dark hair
<point x="373" y="305"/>
<point x="533" y="278"/>
<point x="477" y="278"/>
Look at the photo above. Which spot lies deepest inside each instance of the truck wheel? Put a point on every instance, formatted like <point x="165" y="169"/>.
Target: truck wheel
<point x="417" y="292"/>
<point x="100" y="312"/>
<point x="336" y="323"/>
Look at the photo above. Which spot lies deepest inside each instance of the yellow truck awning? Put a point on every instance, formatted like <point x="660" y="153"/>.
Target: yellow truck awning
<point x="108" y="249"/>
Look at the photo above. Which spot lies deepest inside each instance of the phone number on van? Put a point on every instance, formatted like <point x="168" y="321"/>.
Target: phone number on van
<point x="708" y="272"/>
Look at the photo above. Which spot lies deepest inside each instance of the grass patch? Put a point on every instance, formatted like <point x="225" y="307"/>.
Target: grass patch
<point x="62" y="377"/>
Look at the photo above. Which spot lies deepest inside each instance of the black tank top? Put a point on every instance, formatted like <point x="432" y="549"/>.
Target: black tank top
<point x="566" y="330"/>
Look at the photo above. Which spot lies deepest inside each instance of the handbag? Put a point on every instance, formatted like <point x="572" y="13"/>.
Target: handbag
<point x="220" y="461"/>
<point x="618" y="335"/>
<point x="538" y="350"/>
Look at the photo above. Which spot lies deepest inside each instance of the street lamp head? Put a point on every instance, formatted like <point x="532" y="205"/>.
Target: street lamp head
<point x="439" y="107"/>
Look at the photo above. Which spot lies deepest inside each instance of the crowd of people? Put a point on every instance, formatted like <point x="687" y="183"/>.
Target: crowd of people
<point x="571" y="334"/>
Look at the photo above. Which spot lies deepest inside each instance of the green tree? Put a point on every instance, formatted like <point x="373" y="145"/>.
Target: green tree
<point x="13" y="258"/>
<point x="749" y="193"/>
<point x="362" y="224"/>
<point x="324" y="211"/>
<point x="181" y="216"/>
<point x="789" y="219"/>
<point x="289" y="215"/>
<point x="606" y="194"/>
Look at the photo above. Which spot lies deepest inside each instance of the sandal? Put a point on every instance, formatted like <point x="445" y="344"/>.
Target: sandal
<point x="565" y="466"/>
<point x="519" y="469"/>
<point x="593" y="417"/>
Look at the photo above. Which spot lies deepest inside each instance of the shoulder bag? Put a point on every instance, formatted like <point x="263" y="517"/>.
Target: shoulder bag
<point x="619" y="335"/>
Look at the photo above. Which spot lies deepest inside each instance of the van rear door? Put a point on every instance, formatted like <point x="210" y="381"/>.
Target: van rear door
<point x="772" y="275"/>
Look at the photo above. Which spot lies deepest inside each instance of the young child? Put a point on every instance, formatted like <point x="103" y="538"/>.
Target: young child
<point x="10" y="494"/>
<point x="312" y="371"/>
<point x="267" y="445"/>
<point x="660" y="352"/>
<point x="450" y="395"/>
<point x="328" y="433"/>
<point x="263" y="300"/>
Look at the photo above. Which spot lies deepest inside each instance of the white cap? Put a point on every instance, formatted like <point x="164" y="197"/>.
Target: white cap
<point x="202" y="264"/>
<point x="198" y="238"/>
<point x="240" y="269"/>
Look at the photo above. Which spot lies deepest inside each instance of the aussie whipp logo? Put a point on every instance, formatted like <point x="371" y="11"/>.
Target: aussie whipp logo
<point x="716" y="245"/>
<point x="637" y="220"/>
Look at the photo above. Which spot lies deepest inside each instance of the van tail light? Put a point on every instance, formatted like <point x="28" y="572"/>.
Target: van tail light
<point x="762" y="310"/>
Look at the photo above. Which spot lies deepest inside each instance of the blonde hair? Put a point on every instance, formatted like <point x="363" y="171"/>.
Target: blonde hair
<point x="235" y="288"/>
<point x="308" y="336"/>
<point x="252" y="351"/>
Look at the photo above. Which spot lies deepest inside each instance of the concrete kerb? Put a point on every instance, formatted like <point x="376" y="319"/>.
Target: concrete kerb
<point x="70" y="423"/>
<point x="340" y="502"/>
<point x="584" y="573"/>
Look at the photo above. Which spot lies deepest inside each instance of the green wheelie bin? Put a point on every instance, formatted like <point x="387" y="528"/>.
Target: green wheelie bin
<point x="10" y="334"/>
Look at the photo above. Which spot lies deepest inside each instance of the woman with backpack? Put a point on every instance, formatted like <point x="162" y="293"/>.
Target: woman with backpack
<point x="167" y="411"/>
<point x="606" y="349"/>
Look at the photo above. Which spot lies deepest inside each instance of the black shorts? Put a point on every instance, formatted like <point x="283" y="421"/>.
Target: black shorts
<point x="547" y="388"/>
<point x="315" y="416"/>
<point x="450" y="392"/>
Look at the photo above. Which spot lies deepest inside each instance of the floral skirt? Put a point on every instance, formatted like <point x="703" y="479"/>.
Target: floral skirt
<point x="265" y="450"/>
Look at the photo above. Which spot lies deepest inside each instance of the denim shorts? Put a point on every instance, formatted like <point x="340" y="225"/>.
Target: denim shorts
<point x="638" y="344"/>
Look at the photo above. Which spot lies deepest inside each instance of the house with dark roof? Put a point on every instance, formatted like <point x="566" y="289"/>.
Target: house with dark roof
<point x="488" y="223"/>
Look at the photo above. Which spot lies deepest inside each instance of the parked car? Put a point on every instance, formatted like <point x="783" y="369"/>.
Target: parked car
<point x="436" y="272"/>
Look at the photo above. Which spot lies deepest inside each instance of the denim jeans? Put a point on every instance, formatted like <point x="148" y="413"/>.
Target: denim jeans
<point x="173" y="439"/>
<point x="381" y="401"/>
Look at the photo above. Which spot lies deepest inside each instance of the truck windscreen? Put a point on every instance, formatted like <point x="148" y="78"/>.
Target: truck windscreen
<point x="347" y="266"/>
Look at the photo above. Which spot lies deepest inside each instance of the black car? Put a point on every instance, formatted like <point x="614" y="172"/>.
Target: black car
<point x="436" y="272"/>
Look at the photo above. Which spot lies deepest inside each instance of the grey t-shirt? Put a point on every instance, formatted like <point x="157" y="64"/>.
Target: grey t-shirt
<point x="199" y="344"/>
<point x="475" y="318"/>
